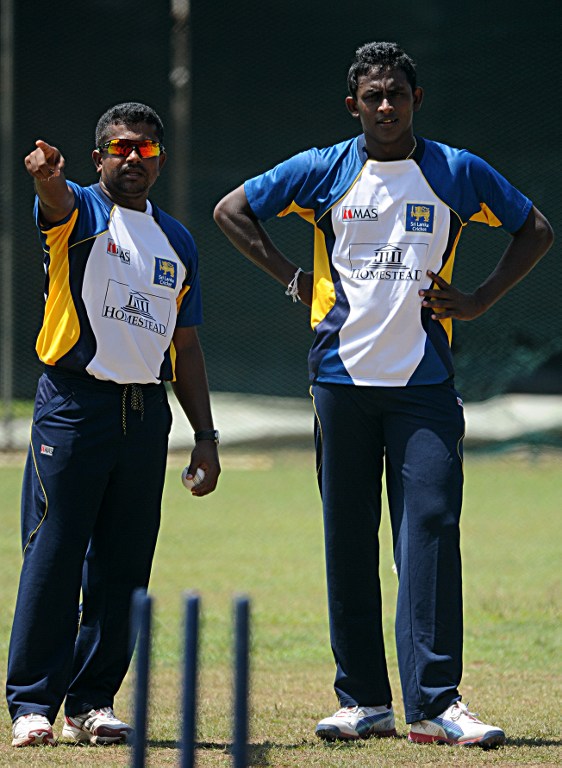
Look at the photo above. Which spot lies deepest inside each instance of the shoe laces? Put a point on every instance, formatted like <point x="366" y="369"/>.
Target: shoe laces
<point x="344" y="711"/>
<point x="31" y="717"/>
<point x="21" y="724"/>
<point x="89" y="718"/>
<point x="462" y="709"/>
<point x="106" y="712"/>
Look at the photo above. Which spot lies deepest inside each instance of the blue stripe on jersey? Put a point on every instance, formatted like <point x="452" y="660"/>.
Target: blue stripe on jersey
<point x="324" y="360"/>
<point x="436" y="365"/>
<point x="437" y="362"/>
<point x="190" y="311"/>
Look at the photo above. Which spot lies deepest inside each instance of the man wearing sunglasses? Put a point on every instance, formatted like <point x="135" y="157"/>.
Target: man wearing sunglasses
<point x="121" y="313"/>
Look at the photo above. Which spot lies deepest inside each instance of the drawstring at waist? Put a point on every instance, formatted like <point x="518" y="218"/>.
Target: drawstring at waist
<point x="137" y="403"/>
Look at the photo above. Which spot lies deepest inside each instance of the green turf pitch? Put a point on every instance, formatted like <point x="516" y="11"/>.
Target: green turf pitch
<point x="261" y="533"/>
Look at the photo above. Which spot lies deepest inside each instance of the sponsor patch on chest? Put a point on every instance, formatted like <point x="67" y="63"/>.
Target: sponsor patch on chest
<point x="419" y="217"/>
<point x="114" y="249"/>
<point x="165" y="272"/>
<point x="349" y="213"/>
<point x="136" y="308"/>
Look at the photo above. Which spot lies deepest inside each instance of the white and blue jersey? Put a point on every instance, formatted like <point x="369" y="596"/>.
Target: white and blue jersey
<point x="378" y="228"/>
<point x="118" y="283"/>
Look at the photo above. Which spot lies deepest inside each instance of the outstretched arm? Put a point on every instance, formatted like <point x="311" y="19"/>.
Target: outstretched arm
<point x="528" y="245"/>
<point x="235" y="217"/>
<point x="45" y="165"/>
<point x="192" y="391"/>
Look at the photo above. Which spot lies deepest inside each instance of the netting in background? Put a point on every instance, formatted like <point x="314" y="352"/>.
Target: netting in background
<point x="282" y="89"/>
<point x="268" y="79"/>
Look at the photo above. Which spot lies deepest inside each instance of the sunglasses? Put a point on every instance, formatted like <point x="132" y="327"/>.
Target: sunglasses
<point x="124" y="147"/>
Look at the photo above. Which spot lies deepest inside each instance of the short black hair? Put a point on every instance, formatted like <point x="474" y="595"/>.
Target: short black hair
<point x="129" y="113"/>
<point x="380" y="55"/>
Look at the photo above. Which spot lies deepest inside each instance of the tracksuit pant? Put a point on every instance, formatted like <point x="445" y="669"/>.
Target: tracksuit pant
<point x="415" y="434"/>
<point x="91" y="499"/>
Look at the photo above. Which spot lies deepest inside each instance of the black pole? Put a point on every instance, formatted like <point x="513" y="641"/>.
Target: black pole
<point x="189" y="708"/>
<point x="241" y="677"/>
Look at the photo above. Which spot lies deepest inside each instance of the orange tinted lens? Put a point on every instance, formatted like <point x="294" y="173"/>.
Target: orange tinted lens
<point x="148" y="148"/>
<point x="124" y="147"/>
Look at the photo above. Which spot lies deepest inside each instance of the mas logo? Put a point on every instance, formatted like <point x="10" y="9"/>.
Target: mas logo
<point x="165" y="272"/>
<point x="114" y="249"/>
<point x="359" y="213"/>
<point x="419" y="217"/>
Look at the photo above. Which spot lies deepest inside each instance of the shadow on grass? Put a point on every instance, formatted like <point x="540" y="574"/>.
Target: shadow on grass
<point x="533" y="742"/>
<point x="226" y="746"/>
<point x="258" y="754"/>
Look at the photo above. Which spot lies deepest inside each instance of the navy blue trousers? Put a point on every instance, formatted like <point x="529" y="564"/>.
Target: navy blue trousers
<point x="91" y="500"/>
<point x="415" y="435"/>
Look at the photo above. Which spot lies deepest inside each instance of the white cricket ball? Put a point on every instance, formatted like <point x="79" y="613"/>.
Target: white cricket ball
<point x="191" y="482"/>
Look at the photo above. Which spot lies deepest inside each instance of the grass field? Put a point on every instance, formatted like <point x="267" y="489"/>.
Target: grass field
<point x="261" y="534"/>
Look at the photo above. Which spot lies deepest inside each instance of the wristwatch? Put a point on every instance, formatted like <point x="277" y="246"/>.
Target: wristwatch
<point x="207" y="434"/>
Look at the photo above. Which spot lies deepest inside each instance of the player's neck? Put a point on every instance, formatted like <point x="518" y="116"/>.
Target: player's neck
<point x="403" y="150"/>
<point x="136" y="202"/>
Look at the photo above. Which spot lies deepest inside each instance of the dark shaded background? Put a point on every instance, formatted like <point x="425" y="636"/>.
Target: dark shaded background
<point x="269" y="79"/>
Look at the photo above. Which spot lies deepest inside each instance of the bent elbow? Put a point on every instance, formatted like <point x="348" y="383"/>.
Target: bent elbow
<point x="219" y="213"/>
<point x="548" y="235"/>
<point x="230" y="207"/>
<point x="543" y="230"/>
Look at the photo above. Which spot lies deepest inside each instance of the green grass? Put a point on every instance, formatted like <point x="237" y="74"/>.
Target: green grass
<point x="261" y="533"/>
<point x="18" y="409"/>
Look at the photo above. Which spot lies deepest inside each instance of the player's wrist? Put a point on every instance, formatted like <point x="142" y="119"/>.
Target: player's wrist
<point x="207" y="434"/>
<point x="293" y="287"/>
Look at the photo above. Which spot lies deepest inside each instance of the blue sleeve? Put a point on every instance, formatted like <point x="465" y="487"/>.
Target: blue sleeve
<point x="472" y="188"/>
<point x="273" y="191"/>
<point x="507" y="204"/>
<point x="92" y="210"/>
<point x="309" y="182"/>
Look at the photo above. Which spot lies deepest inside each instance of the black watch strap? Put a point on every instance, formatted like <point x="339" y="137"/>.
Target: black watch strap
<point x="207" y="434"/>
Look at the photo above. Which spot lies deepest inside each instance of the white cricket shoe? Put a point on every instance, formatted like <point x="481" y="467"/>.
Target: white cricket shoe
<point x="357" y="723"/>
<point x="98" y="726"/>
<point x="30" y="730"/>
<point x="456" y="725"/>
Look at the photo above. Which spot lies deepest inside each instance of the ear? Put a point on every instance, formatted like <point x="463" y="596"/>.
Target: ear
<point x="418" y="99"/>
<point x="162" y="159"/>
<point x="351" y="105"/>
<point x="96" y="157"/>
